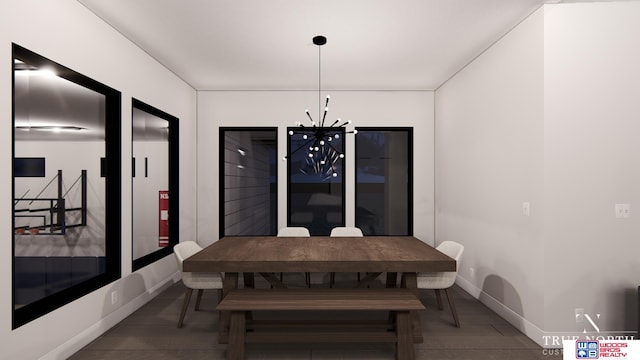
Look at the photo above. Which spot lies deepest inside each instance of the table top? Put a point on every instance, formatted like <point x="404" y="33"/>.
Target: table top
<point x="319" y="254"/>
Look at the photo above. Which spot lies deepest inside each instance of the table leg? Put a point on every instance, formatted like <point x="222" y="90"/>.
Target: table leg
<point x="273" y="280"/>
<point x="249" y="280"/>
<point x="229" y="282"/>
<point x="410" y="281"/>
<point x="392" y="279"/>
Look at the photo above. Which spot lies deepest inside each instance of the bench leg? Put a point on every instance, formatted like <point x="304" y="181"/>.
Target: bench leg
<point x="237" y="331"/>
<point x="229" y="282"/>
<point x="404" y="333"/>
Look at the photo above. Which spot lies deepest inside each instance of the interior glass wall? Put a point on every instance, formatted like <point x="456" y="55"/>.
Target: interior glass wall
<point x="316" y="179"/>
<point x="66" y="185"/>
<point x="155" y="177"/>
<point x="248" y="178"/>
<point x="384" y="181"/>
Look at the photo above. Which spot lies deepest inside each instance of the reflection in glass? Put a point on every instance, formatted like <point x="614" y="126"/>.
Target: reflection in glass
<point x="384" y="181"/>
<point x="316" y="198"/>
<point x="54" y="247"/>
<point x="150" y="183"/>
<point x="248" y="190"/>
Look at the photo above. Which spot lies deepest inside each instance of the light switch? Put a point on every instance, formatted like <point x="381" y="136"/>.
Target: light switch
<point x="526" y="206"/>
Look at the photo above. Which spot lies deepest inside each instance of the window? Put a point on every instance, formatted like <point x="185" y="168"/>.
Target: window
<point x="316" y="179"/>
<point x="384" y="181"/>
<point x="248" y="187"/>
<point x="66" y="206"/>
<point x="155" y="176"/>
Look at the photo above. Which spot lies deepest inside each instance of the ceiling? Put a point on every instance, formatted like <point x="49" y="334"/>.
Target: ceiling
<point x="267" y="44"/>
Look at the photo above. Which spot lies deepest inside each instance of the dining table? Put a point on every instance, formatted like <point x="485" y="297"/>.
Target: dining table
<point x="267" y="255"/>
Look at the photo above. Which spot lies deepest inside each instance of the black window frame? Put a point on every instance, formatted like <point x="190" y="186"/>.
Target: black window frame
<point x="174" y="184"/>
<point x="221" y="165"/>
<point x="343" y="175"/>
<point x="113" y="191"/>
<point x="409" y="130"/>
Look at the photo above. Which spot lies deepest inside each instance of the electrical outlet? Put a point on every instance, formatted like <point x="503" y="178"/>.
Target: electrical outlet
<point x="472" y="272"/>
<point x="623" y="211"/>
<point x="114" y="297"/>
<point x="579" y="315"/>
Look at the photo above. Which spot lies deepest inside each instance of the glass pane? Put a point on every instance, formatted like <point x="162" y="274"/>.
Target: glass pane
<point x="383" y="182"/>
<point x="316" y="179"/>
<point x="59" y="187"/>
<point x="150" y="150"/>
<point x="250" y="190"/>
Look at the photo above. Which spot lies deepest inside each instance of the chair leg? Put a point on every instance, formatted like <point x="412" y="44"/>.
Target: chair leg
<point x="198" y="298"/>
<point x="307" y="278"/>
<point x="332" y="279"/>
<point x="185" y="305"/>
<point x="219" y="295"/>
<point x="453" y="308"/>
<point x="439" y="299"/>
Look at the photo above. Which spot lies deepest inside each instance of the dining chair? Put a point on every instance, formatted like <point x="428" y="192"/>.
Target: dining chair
<point x="194" y="281"/>
<point x="296" y="231"/>
<point x="443" y="280"/>
<point x="343" y="231"/>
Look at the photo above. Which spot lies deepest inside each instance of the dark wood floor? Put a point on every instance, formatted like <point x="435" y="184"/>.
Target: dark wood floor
<point x="151" y="333"/>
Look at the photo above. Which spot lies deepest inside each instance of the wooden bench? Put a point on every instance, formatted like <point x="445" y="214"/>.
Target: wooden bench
<point x="399" y="302"/>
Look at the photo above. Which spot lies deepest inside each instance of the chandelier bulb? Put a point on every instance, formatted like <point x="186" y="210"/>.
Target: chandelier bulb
<point x="310" y="155"/>
<point x="337" y="136"/>
<point x="322" y="142"/>
<point x="335" y="174"/>
<point x="316" y="148"/>
<point x="355" y="132"/>
<point x="341" y="156"/>
<point x="304" y="136"/>
<point x="290" y="132"/>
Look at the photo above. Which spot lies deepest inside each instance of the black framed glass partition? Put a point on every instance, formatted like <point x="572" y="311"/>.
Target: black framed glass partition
<point x="66" y="185"/>
<point x="155" y="177"/>
<point x="248" y="181"/>
<point x="384" y="181"/>
<point x="315" y="173"/>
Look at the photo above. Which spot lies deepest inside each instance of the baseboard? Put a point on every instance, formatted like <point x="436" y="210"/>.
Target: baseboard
<point x="83" y="339"/>
<point x="529" y="329"/>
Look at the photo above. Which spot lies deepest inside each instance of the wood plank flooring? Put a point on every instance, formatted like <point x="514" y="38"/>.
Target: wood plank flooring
<point x="151" y="333"/>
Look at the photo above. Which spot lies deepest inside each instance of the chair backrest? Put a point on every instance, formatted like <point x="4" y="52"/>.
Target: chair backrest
<point x="294" y="231"/>
<point x="452" y="249"/>
<point x="442" y="280"/>
<point x="184" y="250"/>
<point x="345" y="231"/>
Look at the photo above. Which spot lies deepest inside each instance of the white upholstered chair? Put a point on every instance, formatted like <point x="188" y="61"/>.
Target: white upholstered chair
<point x="343" y="231"/>
<point x="296" y="231"/>
<point x="197" y="281"/>
<point x="443" y="280"/>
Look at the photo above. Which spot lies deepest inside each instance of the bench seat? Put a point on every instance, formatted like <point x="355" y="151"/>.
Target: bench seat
<point x="400" y="302"/>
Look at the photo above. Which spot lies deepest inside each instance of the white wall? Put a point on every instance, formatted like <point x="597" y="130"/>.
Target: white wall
<point x="284" y="108"/>
<point x="68" y="33"/>
<point x="548" y="115"/>
<point x="489" y="160"/>
<point x="592" y="161"/>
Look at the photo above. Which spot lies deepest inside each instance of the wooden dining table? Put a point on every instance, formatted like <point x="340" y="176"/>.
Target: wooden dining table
<point x="267" y="255"/>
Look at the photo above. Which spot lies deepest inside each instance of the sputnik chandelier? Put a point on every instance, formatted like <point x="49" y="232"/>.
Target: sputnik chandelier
<point x="322" y="156"/>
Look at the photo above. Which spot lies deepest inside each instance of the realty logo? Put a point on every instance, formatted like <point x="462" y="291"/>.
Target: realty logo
<point x="587" y="349"/>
